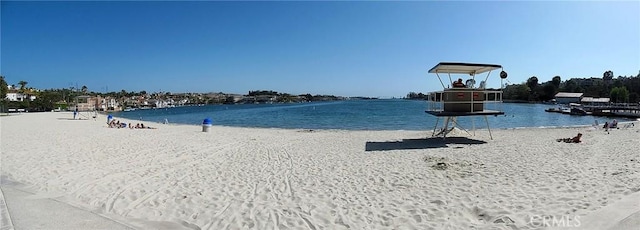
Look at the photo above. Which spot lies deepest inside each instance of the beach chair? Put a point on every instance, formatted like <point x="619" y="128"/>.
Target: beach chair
<point x="596" y="125"/>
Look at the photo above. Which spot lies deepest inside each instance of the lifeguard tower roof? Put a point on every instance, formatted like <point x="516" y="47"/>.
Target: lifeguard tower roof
<point x="463" y="68"/>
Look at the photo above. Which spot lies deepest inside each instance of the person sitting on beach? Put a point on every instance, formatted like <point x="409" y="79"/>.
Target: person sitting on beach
<point x="606" y="126"/>
<point x="114" y="123"/>
<point x="458" y="84"/>
<point x="614" y="124"/>
<point x="575" y="139"/>
<point x="145" y="127"/>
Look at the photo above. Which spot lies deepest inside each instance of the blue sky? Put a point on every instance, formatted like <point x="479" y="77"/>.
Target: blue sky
<point x="379" y="49"/>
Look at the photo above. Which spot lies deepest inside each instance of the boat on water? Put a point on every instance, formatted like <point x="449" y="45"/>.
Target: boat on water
<point x="553" y="110"/>
<point x="573" y="109"/>
<point x="562" y="110"/>
<point x="578" y="111"/>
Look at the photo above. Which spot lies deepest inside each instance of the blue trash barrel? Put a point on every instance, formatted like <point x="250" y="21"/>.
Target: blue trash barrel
<point x="206" y="125"/>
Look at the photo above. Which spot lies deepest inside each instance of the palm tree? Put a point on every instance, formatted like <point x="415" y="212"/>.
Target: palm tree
<point x="22" y="88"/>
<point x="22" y="84"/>
<point x="84" y="89"/>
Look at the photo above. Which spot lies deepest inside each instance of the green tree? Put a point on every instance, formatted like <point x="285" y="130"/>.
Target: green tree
<point x="619" y="95"/>
<point x="412" y="95"/>
<point x="556" y="81"/>
<point x="4" y="88"/>
<point x="618" y="83"/>
<point x="532" y="83"/>
<point x="519" y="92"/>
<point x="549" y="91"/>
<point x="307" y="97"/>
<point x="570" y="86"/>
<point x="607" y="75"/>
<point x="263" y="92"/>
<point x="634" y="97"/>
<point x="229" y="100"/>
<point x="84" y="89"/>
<point x="47" y="100"/>
<point x="598" y="89"/>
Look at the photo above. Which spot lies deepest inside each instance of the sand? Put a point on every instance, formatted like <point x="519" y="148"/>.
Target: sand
<point x="33" y="211"/>
<point x="255" y="178"/>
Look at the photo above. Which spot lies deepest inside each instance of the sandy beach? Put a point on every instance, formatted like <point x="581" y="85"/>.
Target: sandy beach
<point x="254" y="178"/>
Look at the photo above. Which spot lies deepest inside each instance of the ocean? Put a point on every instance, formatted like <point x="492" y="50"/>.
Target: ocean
<point x="390" y="114"/>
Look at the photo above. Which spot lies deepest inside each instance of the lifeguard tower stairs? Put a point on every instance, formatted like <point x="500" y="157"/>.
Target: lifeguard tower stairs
<point x="464" y="101"/>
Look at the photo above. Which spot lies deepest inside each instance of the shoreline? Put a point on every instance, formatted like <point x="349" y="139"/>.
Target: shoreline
<point x="238" y="177"/>
<point x="418" y="130"/>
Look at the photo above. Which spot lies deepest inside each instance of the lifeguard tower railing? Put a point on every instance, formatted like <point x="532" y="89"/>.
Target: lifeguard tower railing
<point x="464" y="100"/>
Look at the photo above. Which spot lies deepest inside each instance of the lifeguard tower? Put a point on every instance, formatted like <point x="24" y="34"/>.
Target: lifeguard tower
<point x="459" y="99"/>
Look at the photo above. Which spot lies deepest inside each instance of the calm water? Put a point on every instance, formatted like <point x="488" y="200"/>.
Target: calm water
<point x="353" y="115"/>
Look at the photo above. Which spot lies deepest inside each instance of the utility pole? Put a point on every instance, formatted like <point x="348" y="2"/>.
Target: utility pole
<point x="76" y="96"/>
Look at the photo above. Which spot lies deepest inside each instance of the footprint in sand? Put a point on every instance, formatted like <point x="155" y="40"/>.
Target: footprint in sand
<point x="503" y="220"/>
<point x="438" y="202"/>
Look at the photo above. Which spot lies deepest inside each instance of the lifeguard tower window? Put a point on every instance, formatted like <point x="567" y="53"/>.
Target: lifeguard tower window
<point x="470" y="100"/>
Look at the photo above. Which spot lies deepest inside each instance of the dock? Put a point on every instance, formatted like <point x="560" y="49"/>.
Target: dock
<point x="615" y="111"/>
<point x="626" y="111"/>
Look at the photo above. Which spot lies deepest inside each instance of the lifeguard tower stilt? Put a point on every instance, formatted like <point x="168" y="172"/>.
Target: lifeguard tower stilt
<point x="461" y="100"/>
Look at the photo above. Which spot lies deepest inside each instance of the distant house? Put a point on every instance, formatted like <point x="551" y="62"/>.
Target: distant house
<point x="595" y="101"/>
<point x="266" y="98"/>
<point x="91" y="103"/>
<point x="236" y="97"/>
<point x="108" y="103"/>
<point x="566" y="98"/>
<point x="13" y="95"/>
